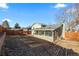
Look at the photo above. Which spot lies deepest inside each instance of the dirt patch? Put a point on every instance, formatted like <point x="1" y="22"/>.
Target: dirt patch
<point x="30" y="46"/>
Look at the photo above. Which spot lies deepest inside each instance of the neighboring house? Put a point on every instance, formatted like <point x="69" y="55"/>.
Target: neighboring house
<point x="36" y="26"/>
<point x="26" y="30"/>
<point x="49" y="32"/>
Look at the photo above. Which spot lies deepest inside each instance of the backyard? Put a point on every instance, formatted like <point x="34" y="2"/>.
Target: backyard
<point x="30" y="46"/>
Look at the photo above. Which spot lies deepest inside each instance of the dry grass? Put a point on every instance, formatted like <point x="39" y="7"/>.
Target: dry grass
<point x="74" y="45"/>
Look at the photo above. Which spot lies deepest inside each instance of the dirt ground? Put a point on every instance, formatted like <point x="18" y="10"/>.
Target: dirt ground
<point x="69" y="44"/>
<point x="30" y="46"/>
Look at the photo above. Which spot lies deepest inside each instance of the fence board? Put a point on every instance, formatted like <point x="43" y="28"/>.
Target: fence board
<point x="2" y="38"/>
<point x="72" y="36"/>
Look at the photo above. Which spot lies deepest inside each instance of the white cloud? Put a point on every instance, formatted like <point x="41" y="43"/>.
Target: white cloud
<point x="6" y="19"/>
<point x="60" y="5"/>
<point x="4" y="5"/>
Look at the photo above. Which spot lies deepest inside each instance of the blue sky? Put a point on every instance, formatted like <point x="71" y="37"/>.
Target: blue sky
<point x="28" y="13"/>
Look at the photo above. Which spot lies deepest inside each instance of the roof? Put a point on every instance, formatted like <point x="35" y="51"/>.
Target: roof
<point x="38" y="23"/>
<point x="50" y="27"/>
<point x="54" y="26"/>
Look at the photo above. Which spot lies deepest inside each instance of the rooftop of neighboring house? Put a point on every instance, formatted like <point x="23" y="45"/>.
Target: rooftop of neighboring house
<point x="43" y="25"/>
<point x="51" y="27"/>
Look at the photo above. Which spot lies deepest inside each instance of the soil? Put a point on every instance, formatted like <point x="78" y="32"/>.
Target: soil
<point x="30" y="46"/>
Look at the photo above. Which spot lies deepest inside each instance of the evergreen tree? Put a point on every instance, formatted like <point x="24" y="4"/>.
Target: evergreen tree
<point x="17" y="26"/>
<point x="5" y="24"/>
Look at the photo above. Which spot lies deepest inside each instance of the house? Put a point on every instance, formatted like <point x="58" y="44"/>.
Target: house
<point x="48" y="32"/>
<point x="27" y="30"/>
<point x="37" y="26"/>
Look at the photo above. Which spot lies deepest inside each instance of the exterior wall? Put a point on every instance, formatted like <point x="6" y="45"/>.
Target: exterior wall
<point x="35" y="26"/>
<point x="47" y="38"/>
<point x="25" y="30"/>
<point x="44" y="34"/>
<point x="72" y="36"/>
<point x="56" y="33"/>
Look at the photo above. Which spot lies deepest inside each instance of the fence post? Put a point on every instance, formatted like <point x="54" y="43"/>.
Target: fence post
<point x="63" y="31"/>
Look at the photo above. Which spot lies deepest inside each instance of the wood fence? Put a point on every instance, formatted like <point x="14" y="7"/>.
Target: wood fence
<point x="2" y="39"/>
<point x="15" y="32"/>
<point x="72" y="36"/>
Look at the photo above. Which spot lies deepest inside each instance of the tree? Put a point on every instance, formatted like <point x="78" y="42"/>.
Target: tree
<point x="5" y="24"/>
<point x="17" y="26"/>
<point x="75" y="16"/>
<point x="70" y="17"/>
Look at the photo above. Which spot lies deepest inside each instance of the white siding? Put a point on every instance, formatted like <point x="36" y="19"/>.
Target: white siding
<point x="37" y="25"/>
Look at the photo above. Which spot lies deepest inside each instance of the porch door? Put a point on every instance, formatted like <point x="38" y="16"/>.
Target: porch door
<point x="55" y="35"/>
